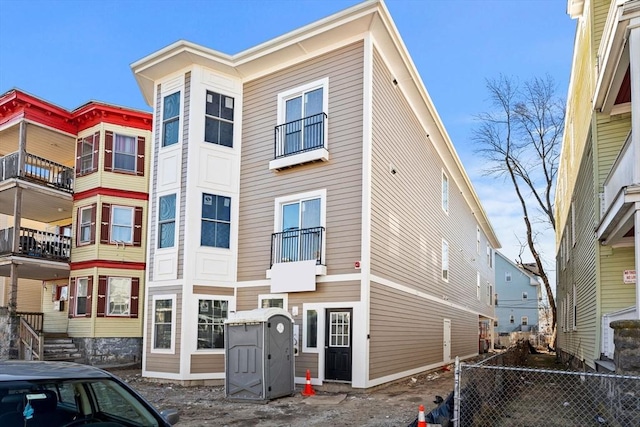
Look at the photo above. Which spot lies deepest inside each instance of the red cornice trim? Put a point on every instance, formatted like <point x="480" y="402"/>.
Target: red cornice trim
<point x="100" y="263"/>
<point x="103" y="191"/>
<point x="93" y="113"/>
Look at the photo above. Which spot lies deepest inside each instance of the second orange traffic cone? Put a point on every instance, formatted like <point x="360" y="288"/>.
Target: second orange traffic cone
<point x="422" y="422"/>
<point x="308" y="390"/>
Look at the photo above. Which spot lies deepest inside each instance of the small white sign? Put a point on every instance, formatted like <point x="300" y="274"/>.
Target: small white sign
<point x="629" y="276"/>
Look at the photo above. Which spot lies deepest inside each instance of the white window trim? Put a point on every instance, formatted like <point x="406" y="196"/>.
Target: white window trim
<point x="445" y="206"/>
<point x="297" y="91"/>
<point x="112" y="223"/>
<point x="478" y="240"/>
<point x="231" y="312"/>
<point x="317" y="194"/>
<point x="524" y="319"/>
<point x="77" y="295"/>
<point x="173" y="299"/>
<point x="320" y="318"/>
<point x="163" y="95"/>
<point x="108" y="297"/>
<point x="232" y="200"/>
<point x="478" y="290"/>
<point x="489" y="293"/>
<point x="445" y="244"/>
<point x="512" y="319"/>
<point x="507" y="276"/>
<point x="283" y="297"/>
<point x="82" y="209"/>
<point x="175" y="220"/>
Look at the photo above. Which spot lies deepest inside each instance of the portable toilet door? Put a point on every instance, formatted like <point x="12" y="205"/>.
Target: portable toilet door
<point x="280" y="357"/>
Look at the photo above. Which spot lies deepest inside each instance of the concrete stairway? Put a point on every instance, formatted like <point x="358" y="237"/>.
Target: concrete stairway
<point x="59" y="347"/>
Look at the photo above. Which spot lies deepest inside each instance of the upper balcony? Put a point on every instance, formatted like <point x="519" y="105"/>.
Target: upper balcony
<point x="301" y="141"/>
<point x="40" y="255"/>
<point x="47" y="187"/>
<point x="621" y="192"/>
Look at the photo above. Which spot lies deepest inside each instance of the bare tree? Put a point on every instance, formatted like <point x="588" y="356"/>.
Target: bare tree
<point x="521" y="140"/>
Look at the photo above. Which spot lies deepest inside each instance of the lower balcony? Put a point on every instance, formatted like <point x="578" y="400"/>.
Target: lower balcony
<point x="296" y="258"/>
<point x="301" y="141"/>
<point x="40" y="255"/>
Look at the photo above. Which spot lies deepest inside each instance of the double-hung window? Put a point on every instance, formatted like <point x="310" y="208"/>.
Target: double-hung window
<point x="122" y="224"/>
<point x="171" y="119"/>
<point x="124" y="153"/>
<point x="216" y="221"/>
<point x="445" y="193"/>
<point x="167" y="221"/>
<point x="119" y="296"/>
<point x="87" y="154"/>
<point x="86" y="228"/>
<point x="445" y="260"/>
<point x="218" y="127"/>
<point x="82" y="286"/>
<point x="211" y="316"/>
<point x="524" y="320"/>
<point x="163" y="322"/>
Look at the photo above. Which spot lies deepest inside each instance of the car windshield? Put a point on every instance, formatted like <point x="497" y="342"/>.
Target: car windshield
<point x="56" y="403"/>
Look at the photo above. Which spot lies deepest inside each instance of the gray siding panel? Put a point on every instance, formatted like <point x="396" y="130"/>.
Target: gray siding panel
<point x="183" y="177"/>
<point x="408" y="222"/>
<point x="341" y="176"/>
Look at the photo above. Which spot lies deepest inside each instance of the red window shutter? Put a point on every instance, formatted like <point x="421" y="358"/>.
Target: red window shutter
<point x="94" y="208"/>
<point x="137" y="226"/>
<point x="105" y="223"/>
<point x="78" y="227"/>
<point x="140" y="158"/>
<point x="108" y="151"/>
<point x="78" y="156"/>
<point x="135" y="293"/>
<point x="89" y="295"/>
<point x="96" y="148"/>
<point x="102" y="296"/>
<point x="72" y="297"/>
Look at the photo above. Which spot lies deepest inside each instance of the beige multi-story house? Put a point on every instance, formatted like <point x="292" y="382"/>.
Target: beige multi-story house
<point x="598" y="190"/>
<point x="73" y="199"/>
<point x="312" y="173"/>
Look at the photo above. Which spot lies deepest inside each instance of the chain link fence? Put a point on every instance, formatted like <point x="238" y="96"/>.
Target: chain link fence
<point x="496" y="393"/>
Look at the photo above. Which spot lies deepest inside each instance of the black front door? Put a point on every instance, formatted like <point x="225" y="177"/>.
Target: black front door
<point x="337" y="358"/>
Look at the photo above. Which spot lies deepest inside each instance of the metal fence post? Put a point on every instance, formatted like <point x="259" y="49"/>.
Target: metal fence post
<point x="456" y="394"/>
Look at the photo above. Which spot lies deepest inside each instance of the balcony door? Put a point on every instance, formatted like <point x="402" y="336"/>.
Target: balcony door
<point x="300" y="227"/>
<point x="303" y="115"/>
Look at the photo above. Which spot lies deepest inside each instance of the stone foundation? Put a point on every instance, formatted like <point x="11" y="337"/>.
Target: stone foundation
<point x="626" y="337"/>
<point x="8" y="335"/>
<point x="110" y="351"/>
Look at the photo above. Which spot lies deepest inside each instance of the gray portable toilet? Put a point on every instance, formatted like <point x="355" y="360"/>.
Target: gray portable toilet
<point x="259" y="359"/>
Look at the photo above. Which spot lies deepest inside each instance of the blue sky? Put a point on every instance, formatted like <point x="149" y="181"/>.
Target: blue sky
<point x="69" y="52"/>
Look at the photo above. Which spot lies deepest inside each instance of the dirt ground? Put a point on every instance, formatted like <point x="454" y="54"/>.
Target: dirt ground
<point x="395" y="404"/>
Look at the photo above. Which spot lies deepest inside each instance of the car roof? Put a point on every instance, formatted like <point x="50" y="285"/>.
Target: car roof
<point x="16" y="370"/>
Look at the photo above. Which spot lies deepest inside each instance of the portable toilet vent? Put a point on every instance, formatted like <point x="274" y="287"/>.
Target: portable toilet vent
<point x="259" y="359"/>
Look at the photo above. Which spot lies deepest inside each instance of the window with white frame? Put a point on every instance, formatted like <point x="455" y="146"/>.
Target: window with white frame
<point x="166" y="221"/>
<point x="124" y="153"/>
<point x="489" y="256"/>
<point x="88" y="147"/>
<point x="524" y="321"/>
<point x="478" y="240"/>
<point x="311" y="329"/>
<point x="218" y="127"/>
<point x="122" y="224"/>
<point x="216" y="221"/>
<point x="489" y="294"/>
<point x="164" y="319"/>
<point x="119" y="296"/>
<point x="299" y="227"/>
<point x="273" y="301"/>
<point x="301" y="118"/>
<point x="512" y="319"/>
<point x="87" y="224"/>
<point x="82" y="286"/>
<point x="211" y="316"/>
<point x="478" y="291"/>
<point x="507" y="276"/>
<point x="445" y="260"/>
<point x="525" y="296"/>
<point x="170" y="119"/>
<point x="445" y="193"/>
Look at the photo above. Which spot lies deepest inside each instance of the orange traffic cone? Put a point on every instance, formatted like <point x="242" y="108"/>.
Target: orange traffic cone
<point x="422" y="422"/>
<point x="308" y="390"/>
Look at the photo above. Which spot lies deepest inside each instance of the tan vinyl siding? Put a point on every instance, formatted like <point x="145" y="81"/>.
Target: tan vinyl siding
<point x="306" y="361"/>
<point x="207" y="363"/>
<point x="341" y="176"/>
<point x="407" y="332"/>
<point x="212" y="290"/>
<point x="181" y="215"/>
<point x="408" y="222"/>
<point x="162" y="362"/>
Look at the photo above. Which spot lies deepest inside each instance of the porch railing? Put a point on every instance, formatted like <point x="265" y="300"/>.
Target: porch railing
<point x="31" y="336"/>
<point x="297" y="245"/>
<point x="301" y="135"/>
<point x="36" y="243"/>
<point x="37" y="169"/>
<point x="621" y="174"/>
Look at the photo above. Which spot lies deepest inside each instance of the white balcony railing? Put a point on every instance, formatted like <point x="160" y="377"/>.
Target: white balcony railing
<point x="621" y="174"/>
